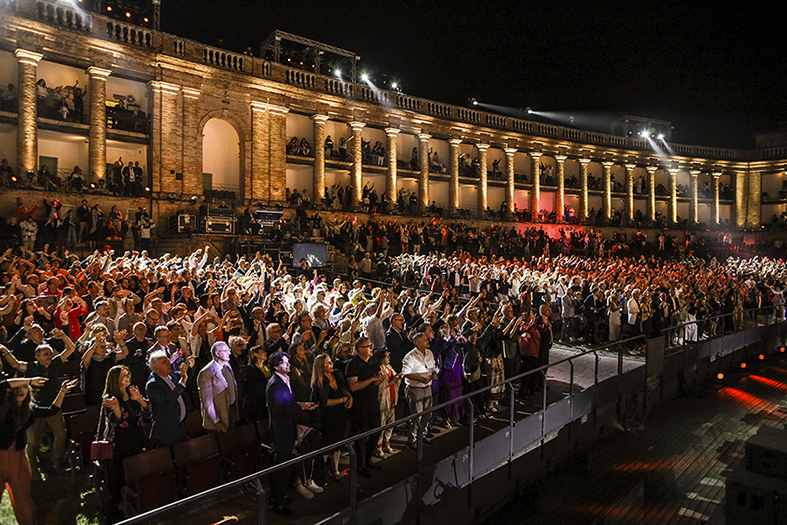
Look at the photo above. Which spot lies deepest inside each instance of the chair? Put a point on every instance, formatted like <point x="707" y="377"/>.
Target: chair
<point x="240" y="451"/>
<point x="199" y="463"/>
<point x="150" y="481"/>
<point x="73" y="404"/>
<point x="193" y="424"/>
<point x="71" y="369"/>
<point x="82" y="428"/>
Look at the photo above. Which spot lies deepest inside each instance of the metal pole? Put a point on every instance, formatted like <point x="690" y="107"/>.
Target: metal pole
<point x="472" y="441"/>
<point x="353" y="483"/>
<point x="570" y="390"/>
<point x="544" y="408"/>
<point x="511" y="411"/>
<point x="419" y="455"/>
<point x="261" y="502"/>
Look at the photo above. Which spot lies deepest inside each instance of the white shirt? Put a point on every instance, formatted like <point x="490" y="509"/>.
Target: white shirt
<point x="417" y="362"/>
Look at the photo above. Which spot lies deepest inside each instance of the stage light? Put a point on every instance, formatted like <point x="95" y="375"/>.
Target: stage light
<point x="719" y="376"/>
<point x="128" y="15"/>
<point x="145" y="19"/>
<point x="475" y="102"/>
<point x="781" y="349"/>
<point x="661" y="136"/>
<point x="338" y="73"/>
<point x="529" y="111"/>
<point x="744" y="365"/>
<point x="109" y="8"/>
<point x="13" y="179"/>
<point x="147" y="188"/>
<point x="365" y="77"/>
<point x="394" y="85"/>
<point x="762" y="357"/>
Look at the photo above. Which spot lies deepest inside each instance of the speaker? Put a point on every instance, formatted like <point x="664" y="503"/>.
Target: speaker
<point x="213" y="225"/>
<point x="766" y="452"/>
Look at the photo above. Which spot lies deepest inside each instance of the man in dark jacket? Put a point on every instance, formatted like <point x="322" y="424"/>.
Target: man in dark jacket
<point x="165" y="390"/>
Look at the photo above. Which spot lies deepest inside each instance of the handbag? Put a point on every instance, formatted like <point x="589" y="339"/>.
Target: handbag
<point x="102" y="449"/>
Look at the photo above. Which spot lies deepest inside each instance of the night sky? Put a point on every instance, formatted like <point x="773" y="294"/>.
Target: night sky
<point x="717" y="73"/>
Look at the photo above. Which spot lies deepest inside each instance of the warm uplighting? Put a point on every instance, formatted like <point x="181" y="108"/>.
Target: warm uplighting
<point x="781" y="349"/>
<point x="762" y="357"/>
<point x="743" y="365"/>
<point x="109" y="8"/>
<point x="719" y="376"/>
<point x="146" y="19"/>
<point x="128" y="14"/>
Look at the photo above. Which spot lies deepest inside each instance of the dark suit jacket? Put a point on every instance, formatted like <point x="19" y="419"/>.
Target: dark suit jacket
<point x="165" y="407"/>
<point x="398" y="345"/>
<point x="282" y="414"/>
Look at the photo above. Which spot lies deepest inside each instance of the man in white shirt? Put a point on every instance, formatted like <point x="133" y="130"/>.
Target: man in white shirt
<point x="418" y="369"/>
<point x="372" y="322"/>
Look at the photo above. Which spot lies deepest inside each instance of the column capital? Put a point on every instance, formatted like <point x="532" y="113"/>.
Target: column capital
<point x="584" y="162"/>
<point x="423" y="137"/>
<point x="482" y="147"/>
<point x="454" y="142"/>
<point x="629" y="167"/>
<point x="673" y="171"/>
<point x="392" y="132"/>
<point x="98" y="73"/>
<point x="716" y="175"/>
<point x="651" y="169"/>
<point x="561" y="158"/>
<point x="321" y="119"/>
<point x="510" y="151"/>
<point x="164" y="87"/>
<point x="535" y="155"/>
<point x="695" y="173"/>
<point x="607" y="164"/>
<point x="357" y="126"/>
<point x="191" y="93"/>
<point x="28" y="57"/>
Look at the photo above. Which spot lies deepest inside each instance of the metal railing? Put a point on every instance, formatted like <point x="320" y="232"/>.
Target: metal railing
<point x="633" y="345"/>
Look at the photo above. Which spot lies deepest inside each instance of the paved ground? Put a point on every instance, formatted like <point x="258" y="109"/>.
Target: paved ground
<point x="673" y="471"/>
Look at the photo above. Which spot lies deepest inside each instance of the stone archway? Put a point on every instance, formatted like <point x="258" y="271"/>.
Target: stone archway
<point x="224" y="152"/>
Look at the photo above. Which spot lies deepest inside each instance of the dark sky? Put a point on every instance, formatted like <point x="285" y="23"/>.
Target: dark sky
<point x="717" y="73"/>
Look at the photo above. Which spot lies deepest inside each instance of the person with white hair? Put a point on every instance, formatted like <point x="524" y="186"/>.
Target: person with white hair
<point x="165" y="389"/>
<point x="218" y="391"/>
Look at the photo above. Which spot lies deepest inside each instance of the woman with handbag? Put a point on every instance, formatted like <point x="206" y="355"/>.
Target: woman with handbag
<point x="122" y="419"/>
<point x="17" y="414"/>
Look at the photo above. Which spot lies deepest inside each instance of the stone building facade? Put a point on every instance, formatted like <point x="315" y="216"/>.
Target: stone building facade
<point x="183" y="86"/>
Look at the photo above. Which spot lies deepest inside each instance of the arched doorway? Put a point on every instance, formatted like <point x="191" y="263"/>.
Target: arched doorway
<point x="221" y="156"/>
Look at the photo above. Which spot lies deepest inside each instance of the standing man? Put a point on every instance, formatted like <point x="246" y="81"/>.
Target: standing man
<point x="418" y="369"/>
<point x="282" y="413"/>
<point x="165" y="390"/>
<point x="83" y="214"/>
<point x="396" y="341"/>
<point x="364" y="376"/>
<point x="218" y="391"/>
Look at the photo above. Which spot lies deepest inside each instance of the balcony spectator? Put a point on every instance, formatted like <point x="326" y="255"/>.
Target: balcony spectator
<point x="8" y="99"/>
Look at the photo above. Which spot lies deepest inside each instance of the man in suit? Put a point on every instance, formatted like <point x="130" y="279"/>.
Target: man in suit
<point x="282" y="414"/>
<point x="396" y="341"/>
<point x="218" y="390"/>
<point x="165" y="391"/>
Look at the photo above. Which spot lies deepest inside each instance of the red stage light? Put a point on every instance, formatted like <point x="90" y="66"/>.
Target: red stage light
<point x="762" y="356"/>
<point x="743" y="365"/>
<point x="719" y="376"/>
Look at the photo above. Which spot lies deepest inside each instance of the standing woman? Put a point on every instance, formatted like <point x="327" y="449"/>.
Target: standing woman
<point x="254" y="380"/>
<point x="334" y="399"/>
<point x="17" y="414"/>
<point x="123" y="411"/>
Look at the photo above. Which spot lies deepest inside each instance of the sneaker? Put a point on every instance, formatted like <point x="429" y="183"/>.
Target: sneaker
<point x="378" y="452"/>
<point x="303" y="491"/>
<point x="387" y="448"/>
<point x="312" y="486"/>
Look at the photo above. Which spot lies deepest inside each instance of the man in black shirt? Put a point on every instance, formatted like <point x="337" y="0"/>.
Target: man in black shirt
<point x="136" y="360"/>
<point x="364" y="376"/>
<point x="48" y="365"/>
<point x="28" y="338"/>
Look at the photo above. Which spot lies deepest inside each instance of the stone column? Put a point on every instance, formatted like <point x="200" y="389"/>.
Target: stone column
<point x="391" y="174"/>
<point x="652" y="193"/>
<point x="192" y="146"/>
<point x="630" y="191"/>
<point x="607" y="204"/>
<point x="27" y="112"/>
<point x="715" y="212"/>
<point x="510" y="184"/>
<point x="277" y="116"/>
<point x="165" y="140"/>
<point x="754" y="200"/>
<point x="453" y="185"/>
<point x="535" y="190"/>
<point x="423" y="175"/>
<point x="560" y="196"/>
<point x="673" y="196"/>
<point x="97" y="148"/>
<point x="356" y="177"/>
<point x="318" y="177"/>
<point x="740" y="199"/>
<point x="258" y="181"/>
<point x="694" y="207"/>
<point x="583" y="190"/>
<point x="483" y="190"/>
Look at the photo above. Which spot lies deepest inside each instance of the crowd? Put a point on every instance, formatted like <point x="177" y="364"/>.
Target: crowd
<point x="426" y="313"/>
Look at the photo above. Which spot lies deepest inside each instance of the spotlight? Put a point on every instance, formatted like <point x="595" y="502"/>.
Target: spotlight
<point x="128" y="14"/>
<point x="109" y="8"/>
<point x="147" y="188"/>
<point x="781" y="349"/>
<point x="13" y="178"/>
<point x="365" y="77"/>
<point x="661" y="136"/>
<point x="719" y="376"/>
<point x="338" y="73"/>
<point x="145" y="19"/>
<point x="394" y="85"/>
<point x="529" y="111"/>
<point x="743" y="365"/>
<point x="193" y="200"/>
